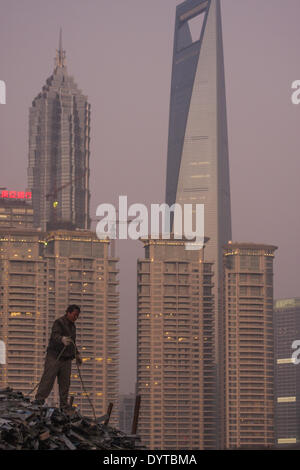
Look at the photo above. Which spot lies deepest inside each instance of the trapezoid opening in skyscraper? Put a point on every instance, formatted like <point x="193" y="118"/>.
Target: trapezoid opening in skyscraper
<point x="197" y="165"/>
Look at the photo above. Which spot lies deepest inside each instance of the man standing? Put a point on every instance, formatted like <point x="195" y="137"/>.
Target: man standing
<point x="60" y="353"/>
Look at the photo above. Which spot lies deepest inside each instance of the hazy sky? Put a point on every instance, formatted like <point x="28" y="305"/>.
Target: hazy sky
<point x="120" y="53"/>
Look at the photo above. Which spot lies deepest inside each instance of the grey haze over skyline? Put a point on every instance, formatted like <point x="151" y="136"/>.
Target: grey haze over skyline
<point x="120" y="54"/>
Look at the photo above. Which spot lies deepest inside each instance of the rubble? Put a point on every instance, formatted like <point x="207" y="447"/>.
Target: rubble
<point x="28" y="426"/>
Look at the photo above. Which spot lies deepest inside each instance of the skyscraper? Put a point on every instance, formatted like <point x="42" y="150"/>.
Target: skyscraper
<point x="23" y="306"/>
<point x="175" y="347"/>
<point x="59" y="137"/>
<point x="287" y="373"/>
<point x="40" y="275"/>
<point x="248" y="345"/>
<point x="80" y="271"/>
<point x="197" y="165"/>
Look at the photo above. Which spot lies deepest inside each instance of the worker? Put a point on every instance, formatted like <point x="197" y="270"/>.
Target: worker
<point x="60" y="353"/>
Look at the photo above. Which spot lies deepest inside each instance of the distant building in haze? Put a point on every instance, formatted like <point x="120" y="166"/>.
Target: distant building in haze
<point x="126" y="412"/>
<point x="59" y="152"/>
<point x="287" y="373"/>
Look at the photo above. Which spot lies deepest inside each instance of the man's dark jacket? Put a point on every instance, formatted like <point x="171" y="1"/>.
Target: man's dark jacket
<point x="62" y="327"/>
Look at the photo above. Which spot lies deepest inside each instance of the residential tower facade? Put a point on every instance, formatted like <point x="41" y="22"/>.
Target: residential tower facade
<point x="40" y="275"/>
<point x="175" y="347"/>
<point x="248" y="346"/>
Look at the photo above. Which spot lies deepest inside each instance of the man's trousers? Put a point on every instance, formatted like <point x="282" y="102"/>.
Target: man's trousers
<point x="60" y="369"/>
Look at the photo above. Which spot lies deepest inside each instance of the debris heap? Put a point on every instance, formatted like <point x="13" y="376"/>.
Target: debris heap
<point x="25" y="425"/>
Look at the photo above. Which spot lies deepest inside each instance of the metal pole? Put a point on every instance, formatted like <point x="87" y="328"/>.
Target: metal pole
<point x="109" y="410"/>
<point x="136" y="414"/>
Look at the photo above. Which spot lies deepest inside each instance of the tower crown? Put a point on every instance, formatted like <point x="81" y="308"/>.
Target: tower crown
<point x="58" y="170"/>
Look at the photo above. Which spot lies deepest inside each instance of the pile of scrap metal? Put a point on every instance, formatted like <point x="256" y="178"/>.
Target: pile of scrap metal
<point x="25" y="425"/>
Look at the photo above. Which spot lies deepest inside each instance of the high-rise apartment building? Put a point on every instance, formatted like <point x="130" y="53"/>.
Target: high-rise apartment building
<point x="287" y="372"/>
<point x="81" y="272"/>
<point x="175" y="347"/>
<point x="197" y="165"/>
<point x="23" y="307"/>
<point x="59" y="152"/>
<point x="40" y="275"/>
<point x="248" y="345"/>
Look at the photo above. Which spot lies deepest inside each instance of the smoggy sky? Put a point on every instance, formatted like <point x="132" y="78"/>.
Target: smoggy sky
<point x="120" y="53"/>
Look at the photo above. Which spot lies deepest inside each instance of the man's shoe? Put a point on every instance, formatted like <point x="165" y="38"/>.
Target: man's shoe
<point x="38" y="402"/>
<point x="67" y="409"/>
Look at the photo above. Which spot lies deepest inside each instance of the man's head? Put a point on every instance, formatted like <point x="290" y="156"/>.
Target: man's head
<point x="73" y="312"/>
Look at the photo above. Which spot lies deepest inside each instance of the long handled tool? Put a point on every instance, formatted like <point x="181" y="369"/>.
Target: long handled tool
<point x="80" y="377"/>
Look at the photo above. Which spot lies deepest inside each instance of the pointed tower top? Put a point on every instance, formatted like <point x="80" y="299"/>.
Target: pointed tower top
<point x="60" y="60"/>
<point x="60" y="40"/>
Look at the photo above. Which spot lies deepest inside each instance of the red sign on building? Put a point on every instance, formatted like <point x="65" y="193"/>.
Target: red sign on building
<point x="15" y="194"/>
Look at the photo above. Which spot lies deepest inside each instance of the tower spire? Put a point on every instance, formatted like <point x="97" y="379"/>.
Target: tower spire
<point x="60" y="60"/>
<point x="60" y="40"/>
